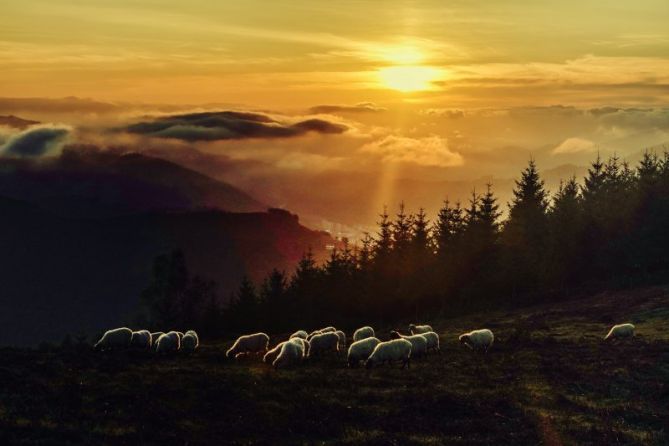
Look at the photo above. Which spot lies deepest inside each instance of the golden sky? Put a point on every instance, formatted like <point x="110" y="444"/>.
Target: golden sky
<point x="296" y="53"/>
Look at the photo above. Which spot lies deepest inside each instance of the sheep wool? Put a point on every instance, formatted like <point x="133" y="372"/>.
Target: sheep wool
<point x="342" y="338"/>
<point x="419" y="329"/>
<point x="329" y="329"/>
<point x="154" y="337"/>
<point x="141" y="339"/>
<point x="432" y="341"/>
<point x="418" y="343"/>
<point x="390" y="351"/>
<point x="620" y="331"/>
<point x="360" y="350"/>
<point x="168" y="343"/>
<point x="271" y="355"/>
<point x="190" y="342"/>
<point x="478" y="340"/>
<point x="362" y="333"/>
<point x="114" y="339"/>
<point x="300" y="334"/>
<point x="323" y="343"/>
<point x="253" y="343"/>
<point x="291" y="353"/>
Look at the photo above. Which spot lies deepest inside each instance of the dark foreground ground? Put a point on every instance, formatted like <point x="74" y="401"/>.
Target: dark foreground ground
<point x="549" y="380"/>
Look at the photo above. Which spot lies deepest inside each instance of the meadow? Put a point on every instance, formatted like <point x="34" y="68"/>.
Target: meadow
<point x="548" y="380"/>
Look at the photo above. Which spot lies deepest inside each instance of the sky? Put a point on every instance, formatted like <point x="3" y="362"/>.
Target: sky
<point x="376" y="101"/>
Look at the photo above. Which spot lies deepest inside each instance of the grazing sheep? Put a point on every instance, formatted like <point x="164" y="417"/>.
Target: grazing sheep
<point x="329" y="329"/>
<point x="390" y="351"/>
<point x="620" y="331"/>
<point x="168" y="343"/>
<point x="360" y="351"/>
<point x="312" y="334"/>
<point x="190" y="342"/>
<point x="291" y="352"/>
<point x="253" y="343"/>
<point x="303" y="343"/>
<point x="113" y="339"/>
<point x="432" y="341"/>
<point x="478" y="340"/>
<point x="323" y="343"/>
<point x="300" y="334"/>
<point x="419" y="329"/>
<point x="154" y="337"/>
<point x="141" y="339"/>
<point x="271" y="355"/>
<point x="180" y="334"/>
<point x="362" y="333"/>
<point x="342" y="338"/>
<point x="418" y="343"/>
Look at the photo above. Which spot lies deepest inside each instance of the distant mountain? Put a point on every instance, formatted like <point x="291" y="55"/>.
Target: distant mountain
<point x="68" y="275"/>
<point x="16" y="122"/>
<point x="89" y="183"/>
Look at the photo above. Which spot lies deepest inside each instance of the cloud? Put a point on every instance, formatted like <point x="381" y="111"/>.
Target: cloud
<point x="361" y="107"/>
<point x="428" y="151"/>
<point x="35" y="141"/>
<point x="58" y="105"/>
<point x="226" y="125"/>
<point x="450" y="113"/>
<point x="575" y="145"/>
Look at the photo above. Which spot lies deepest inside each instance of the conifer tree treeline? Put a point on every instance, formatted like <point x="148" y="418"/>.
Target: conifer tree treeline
<point x="611" y="230"/>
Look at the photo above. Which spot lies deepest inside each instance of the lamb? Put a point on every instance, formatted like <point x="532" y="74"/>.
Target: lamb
<point x="360" y="350"/>
<point x="180" y="334"/>
<point x="312" y="334"/>
<point x="418" y="343"/>
<point x="300" y="334"/>
<point x="141" y="339"/>
<point x="190" y="342"/>
<point x="478" y="340"/>
<point x="419" y="329"/>
<point x="291" y="352"/>
<point x="329" y="329"/>
<point x="394" y="350"/>
<point x="113" y="339"/>
<point x="432" y="341"/>
<point x="271" y="355"/>
<point x="362" y="333"/>
<point x="168" y="343"/>
<point x="253" y="343"/>
<point x="322" y="343"/>
<point x="620" y="331"/>
<point x="304" y="345"/>
<point x="154" y="337"/>
<point x="342" y="338"/>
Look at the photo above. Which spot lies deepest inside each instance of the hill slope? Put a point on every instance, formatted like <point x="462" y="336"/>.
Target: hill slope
<point x="549" y="379"/>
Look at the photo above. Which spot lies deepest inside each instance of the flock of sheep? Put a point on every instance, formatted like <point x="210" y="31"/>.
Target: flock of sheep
<point x="300" y="345"/>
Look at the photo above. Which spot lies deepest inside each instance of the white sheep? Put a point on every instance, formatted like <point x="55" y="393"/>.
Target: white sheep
<point x="323" y="342"/>
<point x="291" y="352"/>
<point x="419" y="329"/>
<point x="342" y="338"/>
<point x="329" y="329"/>
<point x="478" y="340"/>
<point x="271" y="355"/>
<point x="390" y="351"/>
<point x="418" y="343"/>
<point x="114" y="339"/>
<point x="300" y="334"/>
<point x="620" y="331"/>
<point x="253" y="343"/>
<point x="180" y="334"/>
<point x="362" y="333"/>
<point x="168" y="343"/>
<point x="304" y="344"/>
<point x="312" y="334"/>
<point x="154" y="337"/>
<point x="360" y="350"/>
<point x="141" y="339"/>
<point x="432" y="341"/>
<point x="190" y="342"/>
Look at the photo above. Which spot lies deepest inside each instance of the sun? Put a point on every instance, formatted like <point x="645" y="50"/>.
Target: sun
<point x="408" y="78"/>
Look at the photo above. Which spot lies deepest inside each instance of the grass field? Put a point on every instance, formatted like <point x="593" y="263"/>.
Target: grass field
<point x="549" y="379"/>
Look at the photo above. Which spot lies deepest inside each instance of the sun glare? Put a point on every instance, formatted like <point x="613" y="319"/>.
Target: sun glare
<point x="408" y="78"/>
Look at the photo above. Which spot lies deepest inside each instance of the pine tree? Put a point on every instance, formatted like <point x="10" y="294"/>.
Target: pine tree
<point x="384" y="241"/>
<point x="448" y="229"/>
<point x="402" y="231"/>
<point x="244" y="307"/>
<point x="566" y="236"/>
<point x="164" y="295"/>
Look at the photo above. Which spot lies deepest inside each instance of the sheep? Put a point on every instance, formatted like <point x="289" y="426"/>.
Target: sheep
<point x="478" y="340"/>
<point x="432" y="341"/>
<point x="141" y="339"/>
<point x="168" y="343"/>
<point x="620" y="331"/>
<point x="419" y="329"/>
<point x="322" y="343"/>
<point x="342" y="338"/>
<point x="300" y="334"/>
<point x="303" y="343"/>
<point x="116" y="338"/>
<point x="154" y="337"/>
<point x="362" y="333"/>
<point x="360" y="351"/>
<point x="329" y="329"/>
<point x="418" y="343"/>
<point x="312" y="334"/>
<point x="190" y="342"/>
<point x="291" y="352"/>
<point x="389" y="351"/>
<point x="271" y="355"/>
<point x="180" y="334"/>
<point x="253" y="343"/>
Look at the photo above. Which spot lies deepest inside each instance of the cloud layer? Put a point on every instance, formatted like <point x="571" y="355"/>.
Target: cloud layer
<point x="35" y="141"/>
<point x="226" y="125"/>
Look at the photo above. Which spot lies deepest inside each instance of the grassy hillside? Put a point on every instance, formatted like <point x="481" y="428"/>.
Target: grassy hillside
<point x="549" y="379"/>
